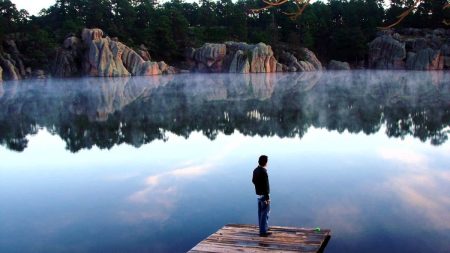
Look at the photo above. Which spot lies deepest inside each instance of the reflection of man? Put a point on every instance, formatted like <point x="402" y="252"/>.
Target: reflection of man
<point x="261" y="181"/>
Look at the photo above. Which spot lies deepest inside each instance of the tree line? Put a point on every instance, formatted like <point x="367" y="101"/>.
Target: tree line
<point x="335" y="29"/>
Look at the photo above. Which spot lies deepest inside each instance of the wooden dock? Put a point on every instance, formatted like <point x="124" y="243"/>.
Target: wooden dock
<point x="245" y="238"/>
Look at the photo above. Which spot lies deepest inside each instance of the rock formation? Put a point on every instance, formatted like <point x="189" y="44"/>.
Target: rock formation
<point x="10" y="68"/>
<point x="99" y="55"/>
<point x="338" y="65"/>
<point x="143" y="52"/>
<point x="15" y="56"/>
<point x="240" y="63"/>
<point x="232" y="57"/>
<point x="11" y="61"/>
<point x="258" y="57"/>
<point x="209" y="57"/>
<point x="411" y="49"/>
<point x="310" y="57"/>
<point x="103" y="56"/>
<point x="425" y="59"/>
<point x="385" y="52"/>
<point x="240" y="57"/>
<point x="68" y="58"/>
<point x="308" y="62"/>
<point x="445" y="51"/>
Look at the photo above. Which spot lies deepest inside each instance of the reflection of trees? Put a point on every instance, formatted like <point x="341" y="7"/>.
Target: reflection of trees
<point x="106" y="112"/>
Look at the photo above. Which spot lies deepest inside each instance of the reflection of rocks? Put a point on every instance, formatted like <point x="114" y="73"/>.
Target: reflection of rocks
<point x="106" y="112"/>
<point x="106" y="96"/>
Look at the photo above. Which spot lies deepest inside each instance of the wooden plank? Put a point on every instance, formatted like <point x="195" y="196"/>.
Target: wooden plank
<point x="245" y="238"/>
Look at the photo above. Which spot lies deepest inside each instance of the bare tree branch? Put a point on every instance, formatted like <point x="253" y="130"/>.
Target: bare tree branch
<point x="302" y="4"/>
<point x="446" y="22"/>
<point x="402" y="16"/>
<point x="269" y="4"/>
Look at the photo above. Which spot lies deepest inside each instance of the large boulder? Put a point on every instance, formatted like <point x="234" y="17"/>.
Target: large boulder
<point x="338" y="65"/>
<point x="137" y="66"/>
<point x="88" y="35"/>
<point x="425" y="59"/>
<point x="259" y="57"/>
<point x="445" y="51"/>
<point x="143" y="52"/>
<point x="39" y="74"/>
<point x="100" y="55"/>
<point x="386" y="53"/>
<point x="411" y="48"/>
<point x="15" y="57"/>
<point x="295" y="65"/>
<point x="68" y="58"/>
<point x="232" y="57"/>
<point x="11" y="61"/>
<point x="209" y="57"/>
<point x="72" y="43"/>
<point x="104" y="57"/>
<point x="240" y="57"/>
<point x="9" y="67"/>
<point x="310" y="57"/>
<point x="240" y="63"/>
<point x="416" y="44"/>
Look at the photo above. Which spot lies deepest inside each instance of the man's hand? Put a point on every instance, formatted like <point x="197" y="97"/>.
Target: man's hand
<point x="267" y="202"/>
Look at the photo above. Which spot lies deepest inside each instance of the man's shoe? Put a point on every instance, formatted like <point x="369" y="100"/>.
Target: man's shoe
<point x="266" y="234"/>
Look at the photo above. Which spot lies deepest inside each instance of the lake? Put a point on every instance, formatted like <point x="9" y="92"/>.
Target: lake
<point x="156" y="164"/>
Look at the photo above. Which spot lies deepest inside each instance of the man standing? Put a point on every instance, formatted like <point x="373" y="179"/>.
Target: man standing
<point x="261" y="181"/>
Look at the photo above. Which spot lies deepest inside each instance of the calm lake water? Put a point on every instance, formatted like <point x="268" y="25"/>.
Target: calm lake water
<point x="156" y="164"/>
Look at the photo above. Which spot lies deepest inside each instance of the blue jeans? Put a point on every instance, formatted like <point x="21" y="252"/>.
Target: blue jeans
<point x="263" y="215"/>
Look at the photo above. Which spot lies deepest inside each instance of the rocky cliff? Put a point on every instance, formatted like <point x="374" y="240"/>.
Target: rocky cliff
<point x="98" y="55"/>
<point x="240" y="57"/>
<point x="302" y="61"/>
<point x="11" y="61"/>
<point x="13" y="64"/>
<point x="411" y="49"/>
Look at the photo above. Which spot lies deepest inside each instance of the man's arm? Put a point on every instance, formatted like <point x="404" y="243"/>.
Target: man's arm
<point x="254" y="178"/>
<point x="266" y="186"/>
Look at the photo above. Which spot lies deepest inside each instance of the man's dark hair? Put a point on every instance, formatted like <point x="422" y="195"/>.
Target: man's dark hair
<point x="262" y="161"/>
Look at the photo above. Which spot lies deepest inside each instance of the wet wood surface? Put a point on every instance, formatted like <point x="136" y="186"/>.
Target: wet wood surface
<point x="245" y="238"/>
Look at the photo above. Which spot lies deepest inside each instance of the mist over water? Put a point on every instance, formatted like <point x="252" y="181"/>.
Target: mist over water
<point x="139" y="110"/>
<point x="156" y="164"/>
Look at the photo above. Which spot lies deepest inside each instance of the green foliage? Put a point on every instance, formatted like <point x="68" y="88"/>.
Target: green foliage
<point x="11" y="19"/>
<point x="338" y="29"/>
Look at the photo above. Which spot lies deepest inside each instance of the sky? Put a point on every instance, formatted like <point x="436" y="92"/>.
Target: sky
<point x="33" y="6"/>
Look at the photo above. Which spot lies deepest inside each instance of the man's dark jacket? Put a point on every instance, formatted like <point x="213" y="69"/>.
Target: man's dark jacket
<point x="261" y="181"/>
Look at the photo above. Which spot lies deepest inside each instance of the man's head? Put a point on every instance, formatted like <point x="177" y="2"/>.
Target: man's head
<point x="262" y="161"/>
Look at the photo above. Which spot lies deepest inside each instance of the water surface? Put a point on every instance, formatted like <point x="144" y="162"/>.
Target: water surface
<point x="156" y="164"/>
